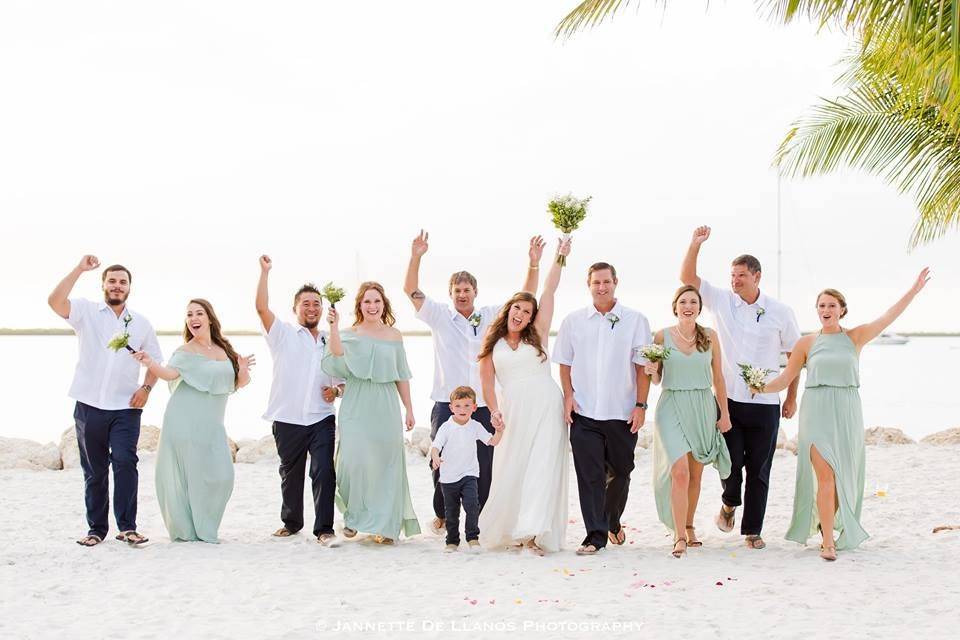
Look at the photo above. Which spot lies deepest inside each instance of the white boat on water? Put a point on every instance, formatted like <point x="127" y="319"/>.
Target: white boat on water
<point x="890" y="338"/>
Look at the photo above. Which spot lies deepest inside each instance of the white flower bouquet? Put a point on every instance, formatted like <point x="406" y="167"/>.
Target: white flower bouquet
<point x="755" y="377"/>
<point x="567" y="213"/>
<point x="655" y="352"/>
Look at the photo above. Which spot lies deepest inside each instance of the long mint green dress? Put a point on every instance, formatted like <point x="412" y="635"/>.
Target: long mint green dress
<point x="831" y="419"/>
<point x="372" y="490"/>
<point x="686" y="422"/>
<point x="194" y="475"/>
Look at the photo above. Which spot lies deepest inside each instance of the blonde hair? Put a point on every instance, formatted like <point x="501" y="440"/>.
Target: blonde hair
<point x="461" y="393"/>
<point x="703" y="338"/>
<point x="833" y="293"/>
<point x="387" y="316"/>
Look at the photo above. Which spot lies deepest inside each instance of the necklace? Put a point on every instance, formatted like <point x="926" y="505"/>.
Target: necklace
<point x="676" y="330"/>
<point x="208" y="347"/>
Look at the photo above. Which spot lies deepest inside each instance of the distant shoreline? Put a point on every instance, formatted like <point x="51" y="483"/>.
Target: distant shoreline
<point x="417" y="333"/>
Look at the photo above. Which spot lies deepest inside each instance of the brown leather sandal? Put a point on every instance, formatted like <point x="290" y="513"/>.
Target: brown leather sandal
<point x="692" y="543"/>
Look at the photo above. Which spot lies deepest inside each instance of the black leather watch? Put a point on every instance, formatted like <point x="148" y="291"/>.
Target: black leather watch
<point x="642" y="405"/>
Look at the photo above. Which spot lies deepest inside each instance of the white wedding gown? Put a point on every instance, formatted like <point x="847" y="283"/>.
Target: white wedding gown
<point x="528" y="491"/>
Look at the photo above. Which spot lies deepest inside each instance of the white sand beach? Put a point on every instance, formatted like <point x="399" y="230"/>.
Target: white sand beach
<point x="902" y="582"/>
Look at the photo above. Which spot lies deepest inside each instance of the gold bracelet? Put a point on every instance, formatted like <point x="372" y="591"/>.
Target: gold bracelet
<point x="534" y="267"/>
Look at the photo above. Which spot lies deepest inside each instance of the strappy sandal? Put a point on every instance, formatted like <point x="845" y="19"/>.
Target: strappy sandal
<point x="725" y="519"/>
<point x="382" y="539"/>
<point x="132" y="538"/>
<point x="755" y="542"/>
<point x="828" y="552"/>
<point x="617" y="538"/>
<point x="348" y="532"/>
<point x="282" y="532"/>
<point x="692" y="543"/>
<point x="91" y="540"/>
<point x="679" y="553"/>
<point x="532" y="545"/>
<point x="587" y="550"/>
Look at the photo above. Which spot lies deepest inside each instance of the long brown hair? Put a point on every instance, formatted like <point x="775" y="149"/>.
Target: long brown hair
<point x="216" y="336"/>
<point x="498" y="328"/>
<point x="703" y="338"/>
<point x="387" y="316"/>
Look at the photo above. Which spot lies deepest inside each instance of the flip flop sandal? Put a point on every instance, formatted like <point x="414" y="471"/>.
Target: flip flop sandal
<point x="725" y="520"/>
<point x="617" y="538"/>
<point x="587" y="550"/>
<point x="132" y="538"/>
<point x="755" y="542"/>
<point x="282" y="532"/>
<point x="91" y="540"/>
<point x="693" y="543"/>
<point x="348" y="532"/>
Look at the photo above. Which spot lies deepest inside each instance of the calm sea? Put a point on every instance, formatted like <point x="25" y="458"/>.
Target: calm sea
<point x="911" y="386"/>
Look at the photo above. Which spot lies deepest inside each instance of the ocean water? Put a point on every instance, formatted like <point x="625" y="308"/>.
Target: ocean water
<point x="911" y="386"/>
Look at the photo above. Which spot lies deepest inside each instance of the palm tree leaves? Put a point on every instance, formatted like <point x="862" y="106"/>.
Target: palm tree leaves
<point x="878" y="128"/>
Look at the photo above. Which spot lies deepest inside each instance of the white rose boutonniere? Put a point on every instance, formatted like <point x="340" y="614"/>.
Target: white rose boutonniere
<point x="474" y="321"/>
<point x="760" y="312"/>
<point x="613" y="319"/>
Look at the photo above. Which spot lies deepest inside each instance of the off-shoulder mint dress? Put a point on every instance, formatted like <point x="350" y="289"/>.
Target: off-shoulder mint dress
<point x="372" y="490"/>
<point x="194" y="475"/>
<point x="831" y="419"/>
<point x="686" y="422"/>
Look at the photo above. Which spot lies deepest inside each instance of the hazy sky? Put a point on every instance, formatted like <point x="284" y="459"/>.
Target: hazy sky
<point x="185" y="138"/>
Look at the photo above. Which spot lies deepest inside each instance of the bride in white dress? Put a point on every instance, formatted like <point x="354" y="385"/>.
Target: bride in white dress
<point x="527" y="504"/>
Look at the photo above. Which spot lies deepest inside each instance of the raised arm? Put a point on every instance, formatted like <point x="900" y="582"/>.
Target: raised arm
<point x="488" y="383"/>
<point x="263" y="299"/>
<point x="719" y="384"/>
<point x="688" y="271"/>
<point x="335" y="345"/>
<point x="547" y="298"/>
<point x="59" y="298"/>
<point x="797" y="359"/>
<point x="866" y="332"/>
<point x="533" y="270"/>
<point x="411" y="286"/>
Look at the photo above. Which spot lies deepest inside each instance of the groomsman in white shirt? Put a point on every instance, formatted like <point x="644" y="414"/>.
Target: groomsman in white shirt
<point x="753" y="329"/>
<point x="109" y="396"/>
<point x="301" y="408"/>
<point x="605" y="402"/>
<point x="458" y="332"/>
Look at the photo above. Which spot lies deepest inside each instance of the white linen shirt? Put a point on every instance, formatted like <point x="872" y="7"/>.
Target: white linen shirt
<point x="601" y="355"/>
<point x="456" y="344"/>
<point x="457" y="442"/>
<point x="104" y="378"/>
<point x="296" y="395"/>
<point x="753" y="334"/>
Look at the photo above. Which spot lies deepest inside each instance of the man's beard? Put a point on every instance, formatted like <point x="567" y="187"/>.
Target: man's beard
<point x="309" y="325"/>
<point x="114" y="302"/>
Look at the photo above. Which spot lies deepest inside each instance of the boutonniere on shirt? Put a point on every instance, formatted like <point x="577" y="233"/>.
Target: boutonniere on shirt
<point x="122" y="339"/>
<point x="760" y="312"/>
<point x="474" y="321"/>
<point x="613" y="319"/>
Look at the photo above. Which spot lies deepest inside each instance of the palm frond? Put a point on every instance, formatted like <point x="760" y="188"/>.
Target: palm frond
<point x="587" y="14"/>
<point x="876" y="128"/>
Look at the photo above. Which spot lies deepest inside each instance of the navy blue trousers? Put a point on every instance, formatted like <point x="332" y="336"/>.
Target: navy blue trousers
<point x="463" y="491"/>
<point x="294" y="442"/>
<point x="440" y="414"/>
<point x="108" y="438"/>
<point x="752" y="442"/>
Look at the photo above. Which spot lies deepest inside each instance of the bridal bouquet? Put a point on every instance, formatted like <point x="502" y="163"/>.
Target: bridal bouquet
<point x="333" y="294"/>
<point x="755" y="377"/>
<point x="121" y="340"/>
<point x="567" y="212"/>
<point x="655" y="352"/>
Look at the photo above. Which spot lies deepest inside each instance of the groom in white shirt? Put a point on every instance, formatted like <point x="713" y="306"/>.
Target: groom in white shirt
<point x="109" y="397"/>
<point x="605" y="402"/>
<point x="753" y="329"/>
<point x="458" y="332"/>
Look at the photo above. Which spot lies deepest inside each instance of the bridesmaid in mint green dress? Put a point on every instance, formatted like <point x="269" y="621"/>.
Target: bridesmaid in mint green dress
<point x="372" y="490"/>
<point x="689" y="427"/>
<point x="830" y="452"/>
<point x="194" y="471"/>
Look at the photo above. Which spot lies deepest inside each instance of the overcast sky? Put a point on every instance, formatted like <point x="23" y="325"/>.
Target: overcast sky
<point x="184" y="139"/>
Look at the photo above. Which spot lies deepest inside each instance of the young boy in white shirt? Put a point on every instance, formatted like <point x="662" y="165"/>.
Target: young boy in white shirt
<point x="459" y="468"/>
